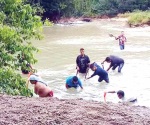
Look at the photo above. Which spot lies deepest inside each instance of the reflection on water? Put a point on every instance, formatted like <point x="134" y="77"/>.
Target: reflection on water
<point x="61" y="46"/>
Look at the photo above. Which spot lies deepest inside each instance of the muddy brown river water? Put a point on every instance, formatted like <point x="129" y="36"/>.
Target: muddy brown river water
<point x="60" y="47"/>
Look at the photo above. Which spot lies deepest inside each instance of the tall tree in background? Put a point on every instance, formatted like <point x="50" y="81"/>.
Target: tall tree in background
<point x="55" y="9"/>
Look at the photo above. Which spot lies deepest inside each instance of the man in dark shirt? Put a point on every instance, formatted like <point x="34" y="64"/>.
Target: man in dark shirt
<point x="114" y="62"/>
<point x="103" y="75"/>
<point x="82" y="62"/>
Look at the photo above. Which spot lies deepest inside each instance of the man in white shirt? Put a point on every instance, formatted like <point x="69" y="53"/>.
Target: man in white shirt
<point x="121" y="95"/>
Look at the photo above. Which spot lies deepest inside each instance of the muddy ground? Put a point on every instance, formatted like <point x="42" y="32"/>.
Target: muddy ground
<point x="52" y="111"/>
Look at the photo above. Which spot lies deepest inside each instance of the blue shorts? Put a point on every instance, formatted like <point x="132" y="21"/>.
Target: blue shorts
<point x="121" y="47"/>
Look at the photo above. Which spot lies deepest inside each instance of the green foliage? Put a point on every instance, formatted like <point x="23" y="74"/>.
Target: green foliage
<point x="47" y="23"/>
<point x="12" y="83"/>
<point x="18" y="25"/>
<point x="139" y="18"/>
<point x="55" y="9"/>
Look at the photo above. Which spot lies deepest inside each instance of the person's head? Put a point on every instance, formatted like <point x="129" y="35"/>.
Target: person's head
<point x="33" y="79"/>
<point x="93" y="67"/>
<point x="122" y="33"/>
<point x="82" y="51"/>
<point x="120" y="94"/>
<point x="108" y="60"/>
<point x="75" y="79"/>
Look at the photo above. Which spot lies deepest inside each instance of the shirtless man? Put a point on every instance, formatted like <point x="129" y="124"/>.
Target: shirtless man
<point x="39" y="88"/>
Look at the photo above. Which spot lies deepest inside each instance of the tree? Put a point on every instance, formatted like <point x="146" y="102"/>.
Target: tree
<point x="19" y="24"/>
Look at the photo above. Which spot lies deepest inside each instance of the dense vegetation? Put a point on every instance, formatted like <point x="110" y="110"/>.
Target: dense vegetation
<point x="138" y="18"/>
<point x="18" y="25"/>
<point x="55" y="9"/>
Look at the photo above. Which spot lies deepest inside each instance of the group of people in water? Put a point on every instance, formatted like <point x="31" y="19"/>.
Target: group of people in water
<point x="83" y="65"/>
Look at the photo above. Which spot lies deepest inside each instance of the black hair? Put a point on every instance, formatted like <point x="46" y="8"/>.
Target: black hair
<point x="75" y="79"/>
<point x="92" y="65"/>
<point x="108" y="59"/>
<point x="81" y="49"/>
<point x="120" y="92"/>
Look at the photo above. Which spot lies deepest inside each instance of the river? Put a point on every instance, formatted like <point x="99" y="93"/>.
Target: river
<point x="60" y="47"/>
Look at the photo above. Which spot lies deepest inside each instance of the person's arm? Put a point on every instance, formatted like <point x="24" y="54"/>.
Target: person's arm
<point x="67" y="81"/>
<point x="67" y="86"/>
<point x="77" y="63"/>
<point x="111" y="92"/>
<point x="35" y="90"/>
<point x="103" y="62"/>
<point x="116" y="38"/>
<point x="88" y="60"/>
<point x="91" y="76"/>
<point x="30" y="66"/>
<point x="109" y="66"/>
<point x="80" y="84"/>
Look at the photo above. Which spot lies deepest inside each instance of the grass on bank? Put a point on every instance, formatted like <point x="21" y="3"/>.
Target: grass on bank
<point x="137" y="18"/>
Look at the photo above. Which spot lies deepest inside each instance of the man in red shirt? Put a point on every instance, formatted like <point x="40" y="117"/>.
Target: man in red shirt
<point x="122" y="39"/>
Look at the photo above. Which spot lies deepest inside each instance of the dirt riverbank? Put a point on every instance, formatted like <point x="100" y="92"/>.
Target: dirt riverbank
<point x="52" y="111"/>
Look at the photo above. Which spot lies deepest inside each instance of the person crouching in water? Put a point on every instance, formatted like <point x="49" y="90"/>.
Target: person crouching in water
<point x="122" y="97"/>
<point x="73" y="81"/>
<point x="103" y="75"/>
<point x="40" y="88"/>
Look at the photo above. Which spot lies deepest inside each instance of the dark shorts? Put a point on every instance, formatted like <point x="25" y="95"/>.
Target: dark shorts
<point x="83" y="70"/>
<point x="25" y="71"/>
<point x="120" y="66"/>
<point x="106" y="79"/>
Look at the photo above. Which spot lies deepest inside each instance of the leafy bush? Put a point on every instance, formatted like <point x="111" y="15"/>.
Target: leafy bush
<point x="12" y="83"/>
<point x="18" y="25"/>
<point x="139" y="18"/>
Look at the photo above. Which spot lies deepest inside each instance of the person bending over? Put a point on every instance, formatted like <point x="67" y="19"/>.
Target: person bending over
<point x="103" y="75"/>
<point x="114" y="62"/>
<point x="73" y="81"/>
<point x="40" y="88"/>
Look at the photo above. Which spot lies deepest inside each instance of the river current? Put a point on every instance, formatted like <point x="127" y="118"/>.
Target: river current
<point x="61" y="45"/>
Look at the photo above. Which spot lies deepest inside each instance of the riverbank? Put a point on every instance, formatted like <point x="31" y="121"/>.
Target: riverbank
<point x="52" y="111"/>
<point x="134" y="19"/>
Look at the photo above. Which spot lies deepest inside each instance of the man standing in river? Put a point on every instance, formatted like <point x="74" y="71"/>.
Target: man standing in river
<point x="82" y="62"/>
<point x="122" y="39"/>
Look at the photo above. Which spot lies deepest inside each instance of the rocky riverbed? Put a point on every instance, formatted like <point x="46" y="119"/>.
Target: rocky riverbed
<point x="52" y="111"/>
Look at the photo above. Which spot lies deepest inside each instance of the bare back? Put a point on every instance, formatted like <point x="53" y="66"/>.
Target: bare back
<point x="42" y="90"/>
